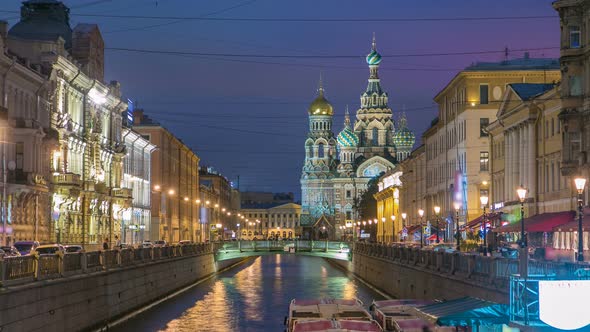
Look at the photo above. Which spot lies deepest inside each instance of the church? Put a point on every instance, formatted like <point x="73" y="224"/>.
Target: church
<point x="337" y="169"/>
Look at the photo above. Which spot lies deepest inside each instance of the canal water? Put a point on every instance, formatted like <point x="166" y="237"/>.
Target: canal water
<point x="253" y="296"/>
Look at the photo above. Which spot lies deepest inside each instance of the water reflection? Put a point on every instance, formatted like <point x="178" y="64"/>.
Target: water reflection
<point x="252" y="297"/>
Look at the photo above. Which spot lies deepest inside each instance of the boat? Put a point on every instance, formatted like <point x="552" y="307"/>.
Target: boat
<point x="334" y="325"/>
<point x="388" y="312"/>
<point x="301" y="310"/>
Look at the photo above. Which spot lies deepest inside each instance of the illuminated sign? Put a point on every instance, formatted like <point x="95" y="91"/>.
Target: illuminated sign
<point x="563" y="304"/>
<point x="130" y="109"/>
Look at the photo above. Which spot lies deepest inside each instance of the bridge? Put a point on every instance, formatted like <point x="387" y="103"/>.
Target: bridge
<point x="245" y="248"/>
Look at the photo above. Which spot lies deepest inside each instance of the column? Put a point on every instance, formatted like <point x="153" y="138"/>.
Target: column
<point x="508" y="164"/>
<point x="532" y="160"/>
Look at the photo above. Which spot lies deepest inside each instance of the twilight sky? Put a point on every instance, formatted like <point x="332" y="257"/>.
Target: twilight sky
<point x="247" y="116"/>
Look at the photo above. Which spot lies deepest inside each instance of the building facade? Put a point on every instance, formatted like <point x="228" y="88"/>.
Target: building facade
<point x="85" y="116"/>
<point x="457" y="145"/>
<point x="270" y="221"/>
<point x="136" y="220"/>
<point x="413" y="193"/>
<point x="338" y="168"/>
<point x="575" y="88"/>
<point x="175" y="184"/>
<point x="25" y="146"/>
<point x="219" y="195"/>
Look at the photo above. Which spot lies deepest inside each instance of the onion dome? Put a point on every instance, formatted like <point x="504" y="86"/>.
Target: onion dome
<point x="44" y="20"/>
<point x="374" y="58"/>
<point x="404" y="138"/>
<point x="347" y="138"/>
<point x="320" y="106"/>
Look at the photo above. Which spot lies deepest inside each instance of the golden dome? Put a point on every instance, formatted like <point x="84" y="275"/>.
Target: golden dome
<point x="320" y="106"/>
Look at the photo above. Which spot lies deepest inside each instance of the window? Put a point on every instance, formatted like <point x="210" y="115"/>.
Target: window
<point x="321" y="150"/>
<point x="552" y="177"/>
<point x="574" y="36"/>
<point x="483" y="94"/>
<point x="483" y="123"/>
<point x="20" y="147"/>
<point x="575" y="85"/>
<point x="311" y="151"/>
<point x="348" y="215"/>
<point x="348" y="194"/>
<point x="546" y="128"/>
<point x="484" y="161"/>
<point x="375" y="137"/>
<point x="558" y="126"/>
<point x="552" y="126"/>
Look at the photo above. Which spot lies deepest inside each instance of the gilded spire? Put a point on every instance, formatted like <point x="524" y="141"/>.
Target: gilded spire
<point x="374" y="45"/>
<point x="321" y="85"/>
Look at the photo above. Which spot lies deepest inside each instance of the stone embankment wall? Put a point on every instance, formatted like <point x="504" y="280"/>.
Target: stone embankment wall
<point x="94" y="298"/>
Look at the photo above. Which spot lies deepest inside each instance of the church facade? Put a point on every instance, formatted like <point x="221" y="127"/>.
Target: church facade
<point x="338" y="168"/>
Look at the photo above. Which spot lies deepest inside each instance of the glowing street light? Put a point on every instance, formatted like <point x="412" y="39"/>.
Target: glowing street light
<point x="484" y="203"/>
<point x="421" y="214"/>
<point x="580" y="184"/>
<point x="436" y="212"/>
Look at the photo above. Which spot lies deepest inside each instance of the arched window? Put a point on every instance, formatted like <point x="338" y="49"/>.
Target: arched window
<point x="321" y="150"/>
<point x="310" y="151"/>
<point x="375" y="136"/>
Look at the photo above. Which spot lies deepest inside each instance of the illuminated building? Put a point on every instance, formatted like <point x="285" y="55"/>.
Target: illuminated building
<point x="136" y="220"/>
<point x="457" y="144"/>
<point x="337" y="169"/>
<point x="86" y="162"/>
<point x="269" y="220"/>
<point x="218" y="192"/>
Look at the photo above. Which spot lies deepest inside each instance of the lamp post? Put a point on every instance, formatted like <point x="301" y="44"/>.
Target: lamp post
<point x="580" y="184"/>
<point x="238" y="225"/>
<point x="392" y="228"/>
<point x="404" y="215"/>
<point x="383" y="219"/>
<point x="521" y="191"/>
<point x="484" y="203"/>
<point x="421" y="214"/>
<point x="457" y="206"/>
<point x="436" y="212"/>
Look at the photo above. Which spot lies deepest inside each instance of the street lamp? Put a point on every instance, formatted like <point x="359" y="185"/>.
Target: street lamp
<point x="436" y="212"/>
<point x="521" y="191"/>
<point x="383" y="219"/>
<point x="457" y="206"/>
<point x="238" y="225"/>
<point x="580" y="184"/>
<point x="421" y="214"/>
<point x="484" y="202"/>
<point x="404" y="215"/>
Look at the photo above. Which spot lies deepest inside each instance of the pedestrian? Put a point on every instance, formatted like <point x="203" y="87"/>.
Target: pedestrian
<point x="105" y="244"/>
<point x="117" y="242"/>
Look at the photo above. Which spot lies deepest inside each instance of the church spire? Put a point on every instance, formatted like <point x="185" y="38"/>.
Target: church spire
<point x="346" y="118"/>
<point x="321" y="86"/>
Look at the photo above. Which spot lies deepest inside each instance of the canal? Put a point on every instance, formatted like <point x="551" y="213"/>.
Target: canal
<point x="253" y="296"/>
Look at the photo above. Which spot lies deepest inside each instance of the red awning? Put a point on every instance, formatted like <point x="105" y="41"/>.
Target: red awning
<point x="544" y="222"/>
<point x="572" y="226"/>
<point x="432" y="237"/>
<point x="476" y="223"/>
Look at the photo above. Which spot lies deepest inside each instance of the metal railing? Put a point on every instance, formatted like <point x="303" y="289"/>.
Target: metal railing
<point x="23" y="269"/>
<point x="490" y="270"/>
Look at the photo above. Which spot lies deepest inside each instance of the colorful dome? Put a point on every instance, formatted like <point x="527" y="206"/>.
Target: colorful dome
<point x="347" y="138"/>
<point x="320" y="106"/>
<point x="404" y="138"/>
<point x="373" y="58"/>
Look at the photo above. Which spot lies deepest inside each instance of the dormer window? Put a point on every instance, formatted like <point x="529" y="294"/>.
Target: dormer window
<point x="574" y="31"/>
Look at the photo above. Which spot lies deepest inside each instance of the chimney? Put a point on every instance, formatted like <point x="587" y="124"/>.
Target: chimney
<point x="137" y="116"/>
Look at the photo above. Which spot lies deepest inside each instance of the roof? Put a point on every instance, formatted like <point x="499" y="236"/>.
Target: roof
<point x="475" y="223"/>
<point x="43" y="20"/>
<point x="527" y="91"/>
<point x="464" y="311"/>
<point x="525" y="63"/>
<point x="544" y="222"/>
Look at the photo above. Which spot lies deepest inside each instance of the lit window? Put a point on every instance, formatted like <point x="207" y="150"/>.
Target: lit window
<point x="484" y="161"/>
<point x="574" y="36"/>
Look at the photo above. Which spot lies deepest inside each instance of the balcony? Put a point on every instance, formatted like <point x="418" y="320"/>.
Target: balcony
<point x="66" y="179"/>
<point x="122" y="193"/>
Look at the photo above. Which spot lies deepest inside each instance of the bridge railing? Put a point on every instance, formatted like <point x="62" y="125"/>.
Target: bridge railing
<point x="23" y="269"/>
<point x="491" y="270"/>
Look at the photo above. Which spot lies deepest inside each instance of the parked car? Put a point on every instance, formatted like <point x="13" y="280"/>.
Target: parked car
<point x="160" y="243"/>
<point x="184" y="242"/>
<point x="73" y="248"/>
<point x="147" y="244"/>
<point x="48" y="249"/>
<point x="9" y="251"/>
<point x="25" y="247"/>
<point x="126" y="246"/>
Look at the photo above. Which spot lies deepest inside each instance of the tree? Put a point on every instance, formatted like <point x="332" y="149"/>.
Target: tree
<point x="366" y="204"/>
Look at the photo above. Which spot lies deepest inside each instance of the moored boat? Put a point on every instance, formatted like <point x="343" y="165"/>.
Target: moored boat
<point x="388" y="312"/>
<point x="334" y="325"/>
<point x="301" y="310"/>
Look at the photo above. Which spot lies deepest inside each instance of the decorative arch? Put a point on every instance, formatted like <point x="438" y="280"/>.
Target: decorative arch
<point x="373" y="167"/>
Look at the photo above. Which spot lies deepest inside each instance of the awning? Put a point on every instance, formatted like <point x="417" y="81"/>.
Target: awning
<point x="491" y="217"/>
<point x="433" y="237"/>
<point x="465" y="311"/>
<point x="544" y="222"/>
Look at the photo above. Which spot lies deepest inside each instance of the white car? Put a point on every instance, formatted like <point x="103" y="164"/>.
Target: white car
<point x="147" y="244"/>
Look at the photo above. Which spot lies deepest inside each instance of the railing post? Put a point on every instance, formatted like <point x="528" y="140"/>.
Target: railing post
<point x="119" y="260"/>
<point x="240" y="245"/>
<point x="84" y="262"/>
<point x="36" y="266"/>
<point x="60" y="264"/>
<point x="470" y="265"/>
<point x="493" y="270"/>
<point x="2" y="271"/>
<point x="102" y="260"/>
<point x="326" y="248"/>
<point x="439" y="260"/>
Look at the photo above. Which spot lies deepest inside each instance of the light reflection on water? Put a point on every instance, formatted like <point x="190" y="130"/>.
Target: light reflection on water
<point x="251" y="297"/>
